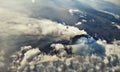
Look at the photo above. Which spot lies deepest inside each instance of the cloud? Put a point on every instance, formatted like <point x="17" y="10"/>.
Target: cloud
<point x="114" y="1"/>
<point x="2" y="54"/>
<point x="28" y="56"/>
<point x="56" y="10"/>
<point x="29" y="59"/>
<point x="26" y="22"/>
<point x="87" y="46"/>
<point x="18" y="29"/>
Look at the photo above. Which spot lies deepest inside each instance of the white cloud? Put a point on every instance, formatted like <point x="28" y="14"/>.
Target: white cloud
<point x="79" y="23"/>
<point x="72" y="11"/>
<point x="114" y="1"/>
<point x="28" y="56"/>
<point x="2" y="54"/>
<point x="33" y="1"/>
<point x="14" y="26"/>
<point x="75" y="62"/>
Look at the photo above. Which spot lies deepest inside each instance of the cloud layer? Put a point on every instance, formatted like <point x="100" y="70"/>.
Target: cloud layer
<point x="26" y="22"/>
<point x="18" y="29"/>
<point x="114" y="1"/>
